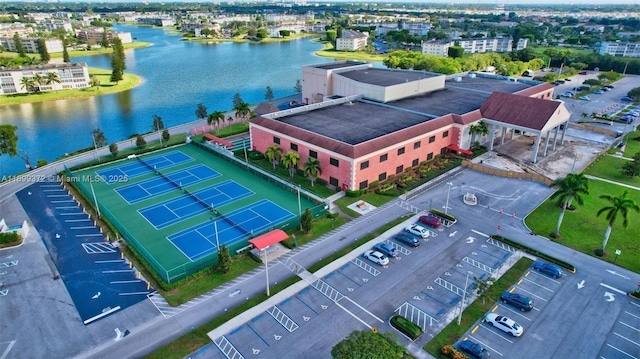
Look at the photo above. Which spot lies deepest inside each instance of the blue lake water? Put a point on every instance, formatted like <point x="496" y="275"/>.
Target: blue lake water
<point x="177" y="75"/>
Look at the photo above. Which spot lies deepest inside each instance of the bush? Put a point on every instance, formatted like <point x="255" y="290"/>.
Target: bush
<point x="353" y="193"/>
<point x="405" y="326"/>
<point x="443" y="215"/>
<point x="9" y="237"/>
<point x="374" y="184"/>
<point x="451" y="352"/>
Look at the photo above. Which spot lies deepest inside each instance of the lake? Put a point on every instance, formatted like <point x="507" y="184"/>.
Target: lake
<point x="177" y="75"/>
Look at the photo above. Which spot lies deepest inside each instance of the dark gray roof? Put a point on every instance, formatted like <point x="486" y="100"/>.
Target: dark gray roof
<point x="385" y="77"/>
<point x="337" y="65"/>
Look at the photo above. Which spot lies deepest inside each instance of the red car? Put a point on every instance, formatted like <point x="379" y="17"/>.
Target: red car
<point x="431" y="220"/>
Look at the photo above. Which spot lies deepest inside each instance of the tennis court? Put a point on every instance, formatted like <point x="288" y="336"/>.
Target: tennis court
<point x="166" y="183"/>
<point x="140" y="167"/>
<point x="167" y="213"/>
<point x="200" y="241"/>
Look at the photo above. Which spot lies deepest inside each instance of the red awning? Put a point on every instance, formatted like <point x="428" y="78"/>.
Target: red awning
<point x="217" y="140"/>
<point x="461" y="150"/>
<point x="268" y="239"/>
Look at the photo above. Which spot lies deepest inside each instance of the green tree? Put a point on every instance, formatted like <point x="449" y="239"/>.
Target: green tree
<point x="455" y="51"/>
<point x="370" y="345"/>
<point x="290" y="161"/>
<point x="619" y="205"/>
<point x="273" y="154"/>
<point x="105" y="38"/>
<point x="28" y="84"/>
<point x="113" y="148"/>
<point x="201" y="112"/>
<point x="215" y="117"/>
<point x="38" y="80"/>
<point x="52" y="77"/>
<point x="65" y="53"/>
<point x="632" y="168"/>
<point x="312" y="169"/>
<point x="158" y="124"/>
<point x="306" y="221"/>
<point x="19" y="45"/>
<point x="118" y="58"/>
<point x="331" y="35"/>
<point x="573" y="186"/>
<point x="634" y="93"/>
<point x="268" y="94"/>
<point x="479" y="128"/>
<point x="298" y="86"/>
<point x="166" y="135"/>
<point x="237" y="100"/>
<point x="262" y="34"/>
<point x="42" y="50"/>
<point x="140" y="141"/>
<point x="242" y="111"/>
<point x="224" y="259"/>
<point x="94" y="81"/>
<point x="98" y="138"/>
<point x="8" y="140"/>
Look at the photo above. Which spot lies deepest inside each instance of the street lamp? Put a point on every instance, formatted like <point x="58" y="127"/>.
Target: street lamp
<point x="299" y="208"/>
<point x="464" y="295"/>
<point x="215" y="231"/>
<point x="266" y="268"/>
<point x="446" y="206"/>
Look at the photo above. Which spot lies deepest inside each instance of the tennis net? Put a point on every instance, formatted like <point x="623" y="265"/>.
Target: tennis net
<point x="195" y="198"/>
<point x="176" y="185"/>
<point x="233" y="224"/>
<point x="146" y="164"/>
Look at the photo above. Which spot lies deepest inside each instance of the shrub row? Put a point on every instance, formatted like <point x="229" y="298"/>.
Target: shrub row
<point x="536" y="253"/>
<point x="451" y="352"/>
<point x="405" y="326"/>
<point x="9" y="237"/>
<point x="446" y="216"/>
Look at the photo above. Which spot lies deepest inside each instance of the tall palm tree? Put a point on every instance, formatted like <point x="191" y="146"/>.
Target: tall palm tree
<point x="215" y="117"/>
<point x="569" y="188"/>
<point x="290" y="160"/>
<point x="619" y="205"/>
<point x="229" y="119"/>
<point x="27" y="83"/>
<point x="479" y="128"/>
<point x="312" y="169"/>
<point x="273" y="154"/>
<point x="38" y="80"/>
<point x="52" y="77"/>
<point x="242" y="110"/>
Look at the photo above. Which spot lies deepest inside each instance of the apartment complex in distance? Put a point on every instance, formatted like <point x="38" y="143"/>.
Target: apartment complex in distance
<point x="30" y="44"/>
<point x="352" y="40"/>
<point x="71" y="76"/>
<point x="366" y="124"/>
<point x="473" y="46"/>
<point x="622" y="49"/>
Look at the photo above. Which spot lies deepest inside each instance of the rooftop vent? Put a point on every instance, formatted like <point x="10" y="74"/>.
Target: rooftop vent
<point x="472" y="75"/>
<point x="457" y="79"/>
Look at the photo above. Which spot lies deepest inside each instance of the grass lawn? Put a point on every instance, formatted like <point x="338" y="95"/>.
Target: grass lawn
<point x="100" y="50"/>
<point x="633" y="144"/>
<point x="329" y="51"/>
<point x="476" y="310"/>
<point x="610" y="167"/>
<point x="583" y="231"/>
<point x="106" y="87"/>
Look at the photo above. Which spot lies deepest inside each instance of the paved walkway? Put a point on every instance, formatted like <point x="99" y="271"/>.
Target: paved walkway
<point x="614" y="182"/>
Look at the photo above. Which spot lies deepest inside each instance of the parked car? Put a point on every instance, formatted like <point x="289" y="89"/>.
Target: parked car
<point x="567" y="79"/>
<point x="418" y="230"/>
<point x="430" y="220"/>
<point x="560" y="81"/>
<point x="583" y="73"/>
<point x="386" y="249"/>
<point x="519" y="301"/>
<point x="376" y="257"/>
<point x="626" y="99"/>
<point x="505" y="324"/>
<point x="598" y="92"/>
<point x="605" y="89"/>
<point x="406" y="238"/>
<point x="610" y="87"/>
<point x="474" y="349"/>
<point x="585" y="98"/>
<point x="627" y="118"/>
<point x="548" y="269"/>
<point x="567" y="94"/>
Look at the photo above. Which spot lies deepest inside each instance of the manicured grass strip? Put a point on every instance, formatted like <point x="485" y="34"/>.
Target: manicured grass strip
<point x="610" y="167"/>
<point x="476" y="310"/>
<point x="582" y="230"/>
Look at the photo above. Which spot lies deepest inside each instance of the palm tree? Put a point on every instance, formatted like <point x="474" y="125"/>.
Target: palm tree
<point x="569" y="188"/>
<point x="27" y="83"/>
<point x="38" y="80"/>
<point x="229" y="119"/>
<point x="312" y="169"/>
<point x="242" y="110"/>
<point x="290" y="160"/>
<point x="479" y="128"/>
<point x="619" y="205"/>
<point x="215" y="117"/>
<point x="53" y="77"/>
<point x="273" y="154"/>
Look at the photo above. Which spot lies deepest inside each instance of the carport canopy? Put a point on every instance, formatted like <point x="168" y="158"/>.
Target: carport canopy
<point x="268" y="239"/>
<point x="461" y="150"/>
<point x="217" y="140"/>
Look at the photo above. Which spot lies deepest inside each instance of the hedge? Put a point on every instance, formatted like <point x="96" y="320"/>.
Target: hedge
<point x="536" y="253"/>
<point x="405" y="326"/>
<point x="443" y="215"/>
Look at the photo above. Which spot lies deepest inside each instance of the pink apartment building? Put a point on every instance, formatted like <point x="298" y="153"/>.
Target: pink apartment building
<point x="364" y="124"/>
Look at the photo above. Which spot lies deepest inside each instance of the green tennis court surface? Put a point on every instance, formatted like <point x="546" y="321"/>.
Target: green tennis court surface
<point x="174" y="227"/>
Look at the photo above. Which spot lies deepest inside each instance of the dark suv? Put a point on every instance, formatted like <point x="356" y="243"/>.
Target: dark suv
<point x="519" y="301"/>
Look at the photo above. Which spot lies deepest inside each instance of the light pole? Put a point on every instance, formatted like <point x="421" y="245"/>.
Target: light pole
<point x="446" y="206"/>
<point x="95" y="199"/>
<point x="215" y="231"/>
<point x="299" y="208"/>
<point x="266" y="268"/>
<point x="464" y="295"/>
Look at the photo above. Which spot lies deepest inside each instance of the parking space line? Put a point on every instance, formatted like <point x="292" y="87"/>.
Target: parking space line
<point x="613" y="289"/>
<point x="621" y="351"/>
<point x="519" y="313"/>
<point x="353" y="315"/>
<point x="631" y="314"/>
<point x="366" y="311"/>
<point x="485" y="345"/>
<point x="540" y="285"/>
<point x="494" y="333"/>
<point x="532" y="294"/>
<point x="627" y="339"/>
<point x="630" y="326"/>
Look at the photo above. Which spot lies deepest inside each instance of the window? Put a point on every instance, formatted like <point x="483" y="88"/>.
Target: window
<point x="415" y="162"/>
<point x="313" y="154"/>
<point x="430" y="156"/>
<point x="443" y="150"/>
<point x="334" y="162"/>
<point x="416" y="145"/>
<point x="382" y="176"/>
<point x="400" y="151"/>
<point x="294" y="147"/>
<point x="445" y="134"/>
<point x="432" y="139"/>
<point x="364" y="184"/>
<point x="333" y="181"/>
<point x="384" y="157"/>
<point x="276" y="140"/>
<point x="364" y="165"/>
<point x="399" y="169"/>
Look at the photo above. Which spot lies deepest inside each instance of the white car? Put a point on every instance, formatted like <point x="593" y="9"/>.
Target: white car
<point x="418" y="230"/>
<point x="505" y="324"/>
<point x="376" y="257"/>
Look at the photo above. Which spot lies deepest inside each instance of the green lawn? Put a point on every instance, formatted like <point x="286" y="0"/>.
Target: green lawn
<point x="106" y="87"/>
<point x="610" y="167"/>
<point x="583" y="231"/>
<point x="329" y="51"/>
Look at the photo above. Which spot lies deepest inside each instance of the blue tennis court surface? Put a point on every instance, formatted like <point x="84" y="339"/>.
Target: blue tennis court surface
<point x="169" y="212"/>
<point x="135" y="169"/>
<point x="152" y="187"/>
<point x="200" y="241"/>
